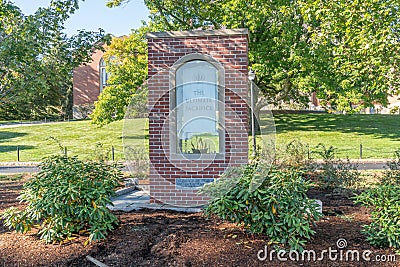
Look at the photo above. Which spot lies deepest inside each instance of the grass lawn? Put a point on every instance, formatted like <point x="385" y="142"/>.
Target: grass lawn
<point x="81" y="138"/>
<point x="379" y="135"/>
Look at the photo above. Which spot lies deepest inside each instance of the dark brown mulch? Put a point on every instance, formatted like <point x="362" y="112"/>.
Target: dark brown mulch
<point x="166" y="238"/>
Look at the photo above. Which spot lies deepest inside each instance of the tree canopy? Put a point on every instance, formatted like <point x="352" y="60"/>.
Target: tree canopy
<point x="126" y="61"/>
<point x="358" y="43"/>
<point x="346" y="51"/>
<point x="37" y="60"/>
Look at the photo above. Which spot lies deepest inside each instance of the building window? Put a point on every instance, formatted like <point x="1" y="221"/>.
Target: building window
<point x="103" y="75"/>
<point x="197" y="109"/>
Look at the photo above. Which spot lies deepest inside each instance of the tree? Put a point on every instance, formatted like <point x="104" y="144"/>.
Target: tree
<point x="126" y="61"/>
<point x="278" y="46"/>
<point x="9" y="15"/>
<point x="358" y="42"/>
<point x="37" y="59"/>
<point x="346" y="51"/>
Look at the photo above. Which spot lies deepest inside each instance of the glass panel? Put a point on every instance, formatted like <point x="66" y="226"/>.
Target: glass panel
<point x="104" y="76"/>
<point x="197" y="108"/>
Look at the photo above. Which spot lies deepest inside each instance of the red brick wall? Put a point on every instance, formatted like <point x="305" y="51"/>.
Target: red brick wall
<point x="86" y="81"/>
<point x="229" y="48"/>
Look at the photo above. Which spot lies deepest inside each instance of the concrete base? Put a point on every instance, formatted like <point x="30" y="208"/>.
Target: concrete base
<point x="139" y="199"/>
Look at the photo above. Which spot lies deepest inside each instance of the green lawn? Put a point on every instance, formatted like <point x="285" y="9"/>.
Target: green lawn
<point x="81" y="138"/>
<point x="379" y="135"/>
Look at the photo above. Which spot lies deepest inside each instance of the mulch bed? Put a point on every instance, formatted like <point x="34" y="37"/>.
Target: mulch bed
<point x="166" y="238"/>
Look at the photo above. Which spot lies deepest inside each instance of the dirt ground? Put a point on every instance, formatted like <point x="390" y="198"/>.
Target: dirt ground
<point x="166" y="238"/>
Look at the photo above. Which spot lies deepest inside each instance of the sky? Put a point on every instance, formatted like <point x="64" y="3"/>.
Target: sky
<point x="93" y="14"/>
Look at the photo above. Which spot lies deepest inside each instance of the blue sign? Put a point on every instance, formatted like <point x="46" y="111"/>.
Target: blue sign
<point x="192" y="183"/>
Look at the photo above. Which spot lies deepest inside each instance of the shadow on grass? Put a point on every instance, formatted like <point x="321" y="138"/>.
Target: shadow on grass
<point x="5" y="135"/>
<point x="14" y="148"/>
<point x="378" y="125"/>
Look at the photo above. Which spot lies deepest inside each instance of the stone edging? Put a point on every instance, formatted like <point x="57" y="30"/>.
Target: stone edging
<point x="19" y="164"/>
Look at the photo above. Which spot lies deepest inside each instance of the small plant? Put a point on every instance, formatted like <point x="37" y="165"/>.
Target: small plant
<point x="137" y="160"/>
<point x="339" y="174"/>
<point x="65" y="198"/>
<point x="336" y="173"/>
<point x="327" y="154"/>
<point x="278" y="206"/>
<point x="295" y="154"/>
<point x="199" y="146"/>
<point x="392" y="172"/>
<point x="58" y="143"/>
<point x="347" y="218"/>
<point x="100" y="153"/>
<point x="385" y="203"/>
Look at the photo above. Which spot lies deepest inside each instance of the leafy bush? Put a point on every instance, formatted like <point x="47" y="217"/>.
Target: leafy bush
<point x="137" y="160"/>
<point x="266" y="200"/>
<point x="67" y="197"/>
<point x="339" y="174"/>
<point x="336" y="173"/>
<point x="385" y="203"/>
<point x="392" y="172"/>
<point x="294" y="154"/>
<point x="100" y="153"/>
<point x="327" y="154"/>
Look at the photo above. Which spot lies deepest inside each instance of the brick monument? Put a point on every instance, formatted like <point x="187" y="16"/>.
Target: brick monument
<point x="198" y="112"/>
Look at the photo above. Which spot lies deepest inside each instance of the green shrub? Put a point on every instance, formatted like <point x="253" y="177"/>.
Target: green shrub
<point x="67" y="197"/>
<point x="327" y="154"/>
<point x="385" y="203"/>
<point x="336" y="173"/>
<point x="339" y="174"/>
<point x="294" y="154"/>
<point x="392" y="172"/>
<point x="266" y="200"/>
<point x="384" y="200"/>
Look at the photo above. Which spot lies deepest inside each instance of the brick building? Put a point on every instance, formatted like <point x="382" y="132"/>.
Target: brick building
<point x="214" y="60"/>
<point x="88" y="82"/>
